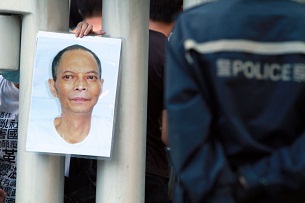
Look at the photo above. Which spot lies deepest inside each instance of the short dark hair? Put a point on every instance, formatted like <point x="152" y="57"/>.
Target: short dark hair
<point x="165" y="10"/>
<point x="90" y="8"/>
<point x="58" y="56"/>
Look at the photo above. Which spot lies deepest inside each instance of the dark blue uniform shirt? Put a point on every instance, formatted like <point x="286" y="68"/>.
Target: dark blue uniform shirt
<point x="235" y="95"/>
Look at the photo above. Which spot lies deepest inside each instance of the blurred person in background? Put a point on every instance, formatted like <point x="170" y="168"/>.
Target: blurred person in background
<point x="91" y="13"/>
<point x="9" y="113"/>
<point x="161" y="22"/>
<point x="74" y="16"/>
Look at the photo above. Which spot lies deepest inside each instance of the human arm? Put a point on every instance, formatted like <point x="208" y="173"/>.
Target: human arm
<point x="83" y="29"/>
<point x="2" y="195"/>
<point x="197" y="157"/>
<point x="283" y="167"/>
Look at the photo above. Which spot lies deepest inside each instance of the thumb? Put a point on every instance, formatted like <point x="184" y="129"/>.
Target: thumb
<point x="99" y="32"/>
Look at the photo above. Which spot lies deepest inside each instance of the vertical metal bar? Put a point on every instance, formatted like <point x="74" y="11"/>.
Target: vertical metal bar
<point x="122" y="178"/>
<point x="40" y="178"/>
<point x="9" y="60"/>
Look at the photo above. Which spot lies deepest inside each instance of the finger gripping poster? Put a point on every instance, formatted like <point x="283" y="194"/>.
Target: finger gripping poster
<point x="73" y="95"/>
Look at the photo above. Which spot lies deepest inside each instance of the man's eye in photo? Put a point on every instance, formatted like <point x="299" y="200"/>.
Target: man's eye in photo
<point x="67" y="77"/>
<point x="91" y="77"/>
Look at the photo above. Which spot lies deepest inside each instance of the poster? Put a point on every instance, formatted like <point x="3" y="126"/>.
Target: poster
<point x="73" y="95"/>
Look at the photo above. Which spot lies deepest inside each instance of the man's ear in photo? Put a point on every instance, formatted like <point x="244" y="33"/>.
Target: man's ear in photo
<point x="102" y="84"/>
<point x="52" y="87"/>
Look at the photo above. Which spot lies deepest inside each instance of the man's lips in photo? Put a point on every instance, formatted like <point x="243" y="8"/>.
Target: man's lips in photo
<point x="79" y="99"/>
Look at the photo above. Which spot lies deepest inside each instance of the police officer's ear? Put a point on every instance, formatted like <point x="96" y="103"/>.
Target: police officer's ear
<point x="52" y="87"/>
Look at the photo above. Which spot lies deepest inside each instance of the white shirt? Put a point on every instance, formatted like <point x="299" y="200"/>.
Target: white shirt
<point x="43" y="137"/>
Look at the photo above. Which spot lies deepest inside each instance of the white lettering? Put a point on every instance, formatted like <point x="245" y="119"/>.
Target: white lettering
<point x="249" y="69"/>
<point x="256" y="70"/>
<point x="275" y="70"/>
<point x="286" y="72"/>
<point x="237" y="67"/>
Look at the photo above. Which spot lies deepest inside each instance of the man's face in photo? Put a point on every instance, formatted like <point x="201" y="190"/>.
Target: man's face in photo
<point x="78" y="84"/>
